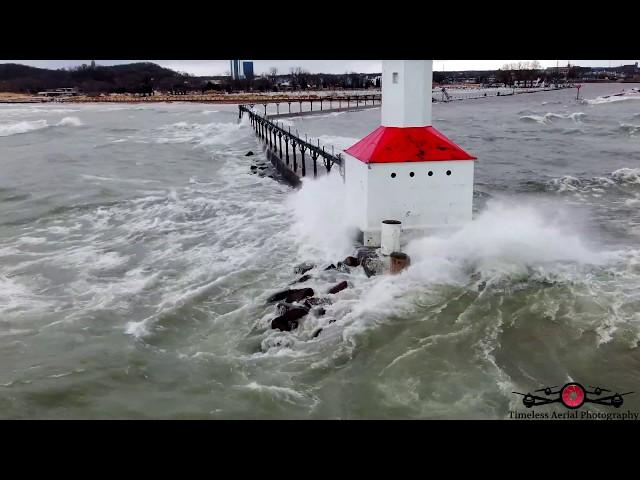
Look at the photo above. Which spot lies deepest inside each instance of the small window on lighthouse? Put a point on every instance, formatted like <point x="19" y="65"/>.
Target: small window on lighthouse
<point x="395" y="77"/>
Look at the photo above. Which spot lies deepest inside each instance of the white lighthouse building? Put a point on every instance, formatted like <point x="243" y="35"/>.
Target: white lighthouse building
<point x="406" y="170"/>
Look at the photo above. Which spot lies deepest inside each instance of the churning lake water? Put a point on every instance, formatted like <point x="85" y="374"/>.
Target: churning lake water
<point x="137" y="251"/>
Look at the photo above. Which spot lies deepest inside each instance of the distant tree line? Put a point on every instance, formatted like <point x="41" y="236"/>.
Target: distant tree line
<point x="524" y="73"/>
<point x="144" y="78"/>
<point x="139" y="78"/>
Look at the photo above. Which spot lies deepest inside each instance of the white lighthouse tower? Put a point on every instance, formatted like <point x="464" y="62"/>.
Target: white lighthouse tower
<point x="406" y="170"/>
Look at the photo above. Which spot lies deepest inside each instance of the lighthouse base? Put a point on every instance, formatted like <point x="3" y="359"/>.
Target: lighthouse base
<point x="373" y="238"/>
<point x="421" y="195"/>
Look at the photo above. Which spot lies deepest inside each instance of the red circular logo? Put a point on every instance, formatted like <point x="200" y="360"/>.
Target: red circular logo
<point x="572" y="395"/>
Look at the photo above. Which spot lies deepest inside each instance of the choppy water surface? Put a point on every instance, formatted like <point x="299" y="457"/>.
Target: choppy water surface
<point x="137" y="252"/>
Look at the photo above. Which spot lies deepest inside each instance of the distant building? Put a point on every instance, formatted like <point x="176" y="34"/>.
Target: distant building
<point x="59" y="92"/>
<point x="629" y="69"/>
<point x="236" y="72"/>
<point x="247" y="69"/>
<point x="241" y="69"/>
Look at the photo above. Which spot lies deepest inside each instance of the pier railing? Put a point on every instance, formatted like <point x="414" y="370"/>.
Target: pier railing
<point x="331" y="101"/>
<point x="453" y="95"/>
<point x="299" y="158"/>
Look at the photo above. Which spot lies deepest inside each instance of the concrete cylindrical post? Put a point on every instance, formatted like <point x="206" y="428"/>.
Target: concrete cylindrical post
<point x="398" y="262"/>
<point x="390" y="236"/>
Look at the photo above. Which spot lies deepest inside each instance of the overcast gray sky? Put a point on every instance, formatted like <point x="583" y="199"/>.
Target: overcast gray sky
<point x="220" y="67"/>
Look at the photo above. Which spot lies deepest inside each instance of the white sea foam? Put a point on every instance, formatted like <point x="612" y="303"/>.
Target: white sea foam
<point x="56" y="110"/>
<point x="280" y="393"/>
<point x="27" y="240"/>
<point x="70" y="122"/>
<point x="16" y="294"/>
<point x="506" y="236"/>
<point x="550" y="117"/>
<point x="340" y="143"/>
<point x="123" y="180"/>
<point x="596" y="185"/>
<point x="284" y="122"/>
<point x="320" y="226"/>
<point x="201" y="133"/>
<point x="627" y="175"/>
<point x="8" y="129"/>
<point x="567" y="183"/>
<point x="14" y="112"/>
<point x="506" y="241"/>
<point x="25" y="126"/>
<point x="630" y="128"/>
<point x="611" y="99"/>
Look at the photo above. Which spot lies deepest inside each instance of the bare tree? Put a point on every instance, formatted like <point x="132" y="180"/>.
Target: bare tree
<point x="299" y="76"/>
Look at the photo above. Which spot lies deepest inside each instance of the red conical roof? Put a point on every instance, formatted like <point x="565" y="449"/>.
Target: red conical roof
<point x="410" y="144"/>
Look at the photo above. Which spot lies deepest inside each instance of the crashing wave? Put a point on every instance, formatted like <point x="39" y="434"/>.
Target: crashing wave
<point x="24" y="126"/>
<point x="550" y="117"/>
<point x="633" y="94"/>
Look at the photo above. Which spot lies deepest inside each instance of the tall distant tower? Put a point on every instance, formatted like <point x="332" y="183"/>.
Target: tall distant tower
<point x="247" y="69"/>
<point x="93" y="64"/>
<point x="237" y="69"/>
<point x="406" y="170"/>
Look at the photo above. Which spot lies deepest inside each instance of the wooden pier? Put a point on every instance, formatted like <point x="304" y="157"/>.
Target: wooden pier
<point x="340" y="102"/>
<point x="241" y="98"/>
<point x="299" y="158"/>
<point x="445" y="96"/>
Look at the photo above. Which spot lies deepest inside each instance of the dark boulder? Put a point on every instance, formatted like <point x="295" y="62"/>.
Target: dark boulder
<point x="303" y="279"/>
<point x="318" y="311"/>
<point x="249" y="153"/>
<point x="284" y="325"/>
<point x="341" y="267"/>
<point x="254" y="167"/>
<point x="330" y="267"/>
<point x="302" y="268"/>
<point x="365" y="252"/>
<point x="338" y="288"/>
<point x="300" y="294"/>
<point x="289" y="320"/>
<point x="351" y="262"/>
<point x="291" y="296"/>
<point x="278" y="296"/>
<point x="317" y="333"/>
<point x="284" y="307"/>
<point x="368" y="267"/>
